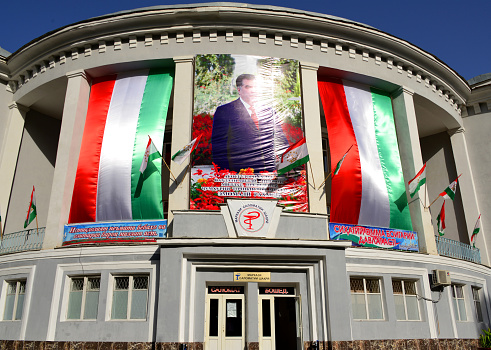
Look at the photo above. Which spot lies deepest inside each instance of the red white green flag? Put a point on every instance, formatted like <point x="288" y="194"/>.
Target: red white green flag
<point x="151" y="153"/>
<point x="477" y="228"/>
<point x="449" y="192"/>
<point x="295" y="155"/>
<point x="180" y="156"/>
<point x="416" y="182"/>
<point x="440" y="219"/>
<point x="338" y="166"/>
<point x="31" y="212"/>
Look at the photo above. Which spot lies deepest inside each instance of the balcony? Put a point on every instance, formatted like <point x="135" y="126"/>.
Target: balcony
<point x="458" y="250"/>
<point x="22" y="241"/>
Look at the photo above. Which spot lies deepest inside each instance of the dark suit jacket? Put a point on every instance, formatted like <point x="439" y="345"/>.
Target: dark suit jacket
<point x="236" y="141"/>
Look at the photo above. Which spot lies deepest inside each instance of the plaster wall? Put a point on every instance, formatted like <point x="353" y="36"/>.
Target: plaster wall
<point x="440" y="172"/>
<point x="35" y="167"/>
<point x="5" y="99"/>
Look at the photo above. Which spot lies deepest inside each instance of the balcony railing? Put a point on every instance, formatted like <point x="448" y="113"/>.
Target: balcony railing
<point x="22" y="241"/>
<point x="455" y="249"/>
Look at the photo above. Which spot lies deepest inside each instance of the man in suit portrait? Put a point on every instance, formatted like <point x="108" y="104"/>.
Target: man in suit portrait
<point x="244" y="131"/>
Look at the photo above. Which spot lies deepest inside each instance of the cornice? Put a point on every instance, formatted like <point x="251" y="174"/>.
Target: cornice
<point x="303" y="30"/>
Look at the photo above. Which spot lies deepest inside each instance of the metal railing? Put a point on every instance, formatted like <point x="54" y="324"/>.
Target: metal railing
<point x="22" y="241"/>
<point x="459" y="250"/>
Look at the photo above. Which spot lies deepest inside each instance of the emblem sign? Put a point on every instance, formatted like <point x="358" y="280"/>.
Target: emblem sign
<point x="252" y="217"/>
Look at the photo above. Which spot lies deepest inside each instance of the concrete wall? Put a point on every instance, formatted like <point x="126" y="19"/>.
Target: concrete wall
<point x="440" y="172"/>
<point x="35" y="167"/>
<point x="5" y="99"/>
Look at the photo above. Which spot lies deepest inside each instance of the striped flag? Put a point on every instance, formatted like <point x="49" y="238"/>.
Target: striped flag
<point x="123" y="110"/>
<point x="477" y="228"/>
<point x="180" y="156"/>
<point x="295" y="155"/>
<point x="440" y="221"/>
<point x="449" y="192"/>
<point x="371" y="189"/>
<point x="338" y="166"/>
<point x="418" y="181"/>
<point x="31" y="212"/>
<point x="151" y="153"/>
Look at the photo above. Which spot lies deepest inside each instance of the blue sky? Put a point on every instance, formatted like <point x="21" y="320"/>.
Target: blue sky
<point x="457" y="32"/>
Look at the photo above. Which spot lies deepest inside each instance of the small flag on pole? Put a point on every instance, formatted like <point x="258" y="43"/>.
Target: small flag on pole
<point x="416" y="182"/>
<point x="440" y="219"/>
<point x="31" y="212"/>
<point x="338" y="166"/>
<point x="151" y="153"/>
<point x="295" y="155"/>
<point x="186" y="151"/>
<point x="449" y="192"/>
<point x="477" y="228"/>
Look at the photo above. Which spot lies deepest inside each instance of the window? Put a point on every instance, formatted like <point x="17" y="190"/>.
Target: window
<point x="459" y="302"/>
<point x="14" y="303"/>
<point x="130" y="295"/>
<point x="406" y="300"/>
<point x="366" y="299"/>
<point x="477" y="303"/>
<point x="83" y="299"/>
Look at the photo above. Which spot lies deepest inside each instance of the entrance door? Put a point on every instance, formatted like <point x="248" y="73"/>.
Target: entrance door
<point x="225" y="322"/>
<point x="279" y="323"/>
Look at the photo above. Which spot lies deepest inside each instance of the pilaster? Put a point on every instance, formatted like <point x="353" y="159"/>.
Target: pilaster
<point x="10" y="152"/>
<point x="412" y="162"/>
<point x="69" y="143"/>
<point x="468" y="190"/>
<point x="182" y="122"/>
<point x="313" y="136"/>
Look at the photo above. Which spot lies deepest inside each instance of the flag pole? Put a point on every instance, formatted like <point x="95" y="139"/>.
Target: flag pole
<point x="433" y="202"/>
<point x="169" y="169"/>
<point x="327" y="177"/>
<point x="311" y="171"/>
<point x="37" y="226"/>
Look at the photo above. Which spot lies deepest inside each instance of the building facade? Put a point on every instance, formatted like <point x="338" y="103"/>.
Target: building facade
<point x="204" y="283"/>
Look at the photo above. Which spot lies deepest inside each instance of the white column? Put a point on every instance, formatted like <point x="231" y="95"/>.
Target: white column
<point x="182" y="122"/>
<point x="412" y="162"/>
<point x="313" y="136"/>
<point x="468" y="190"/>
<point x="72" y="127"/>
<point x="10" y="152"/>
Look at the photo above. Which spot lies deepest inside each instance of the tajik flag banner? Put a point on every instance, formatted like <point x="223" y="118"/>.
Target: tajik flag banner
<point x="449" y="192"/>
<point x="180" y="156"/>
<point x="151" y="153"/>
<point x="416" y="182"/>
<point x="123" y="110"/>
<point x="295" y="155"/>
<point x="338" y="166"/>
<point x="440" y="221"/>
<point x="477" y="228"/>
<point x="371" y="189"/>
<point x="31" y="212"/>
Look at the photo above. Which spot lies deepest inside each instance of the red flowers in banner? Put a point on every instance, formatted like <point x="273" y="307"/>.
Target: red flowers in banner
<point x="202" y="124"/>
<point x="293" y="133"/>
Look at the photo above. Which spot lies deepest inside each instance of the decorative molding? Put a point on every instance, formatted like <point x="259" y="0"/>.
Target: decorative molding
<point x="246" y="36"/>
<point x="352" y="52"/>
<point x="133" y="43"/>
<point x="400" y="68"/>
<point x="62" y="57"/>
<point x="324" y="45"/>
<point x="51" y="62"/>
<point x="118" y="45"/>
<point x="148" y="40"/>
<point x="309" y="43"/>
<point x="164" y="38"/>
<point x="378" y="59"/>
<point x="390" y="62"/>
<point x="262" y="37"/>
<point x="102" y="46"/>
<point x="87" y="50"/>
<point x="183" y="59"/>
<point x="213" y="35"/>
<point x="365" y="55"/>
<point x="309" y="66"/>
<point x="180" y="37"/>
<point x="338" y="49"/>
<point x="229" y="35"/>
<point x="294" y="41"/>
<point x="42" y="67"/>
<point x="278" y="39"/>
<point x="77" y="73"/>
<point x="196" y="36"/>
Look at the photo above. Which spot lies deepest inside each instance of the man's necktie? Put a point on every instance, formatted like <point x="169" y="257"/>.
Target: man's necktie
<point x="254" y="116"/>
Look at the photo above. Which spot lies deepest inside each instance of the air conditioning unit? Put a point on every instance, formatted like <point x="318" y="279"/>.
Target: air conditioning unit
<point x="441" y="278"/>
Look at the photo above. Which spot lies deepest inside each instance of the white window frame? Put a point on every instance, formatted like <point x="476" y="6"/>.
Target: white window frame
<point x="365" y="293"/>
<point x="130" y="296"/>
<point x="476" y="291"/>
<point x="16" y="298"/>
<point x="403" y="281"/>
<point x="84" y="294"/>
<point x="455" y="300"/>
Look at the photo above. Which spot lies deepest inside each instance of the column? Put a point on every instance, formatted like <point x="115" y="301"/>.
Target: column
<point x="10" y="152"/>
<point x="313" y="136"/>
<point x="412" y="162"/>
<point x="467" y="189"/>
<point x="182" y="122"/>
<point x="72" y="126"/>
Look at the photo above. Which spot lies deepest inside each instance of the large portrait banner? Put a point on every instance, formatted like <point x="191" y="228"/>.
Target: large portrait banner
<point x="247" y="110"/>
